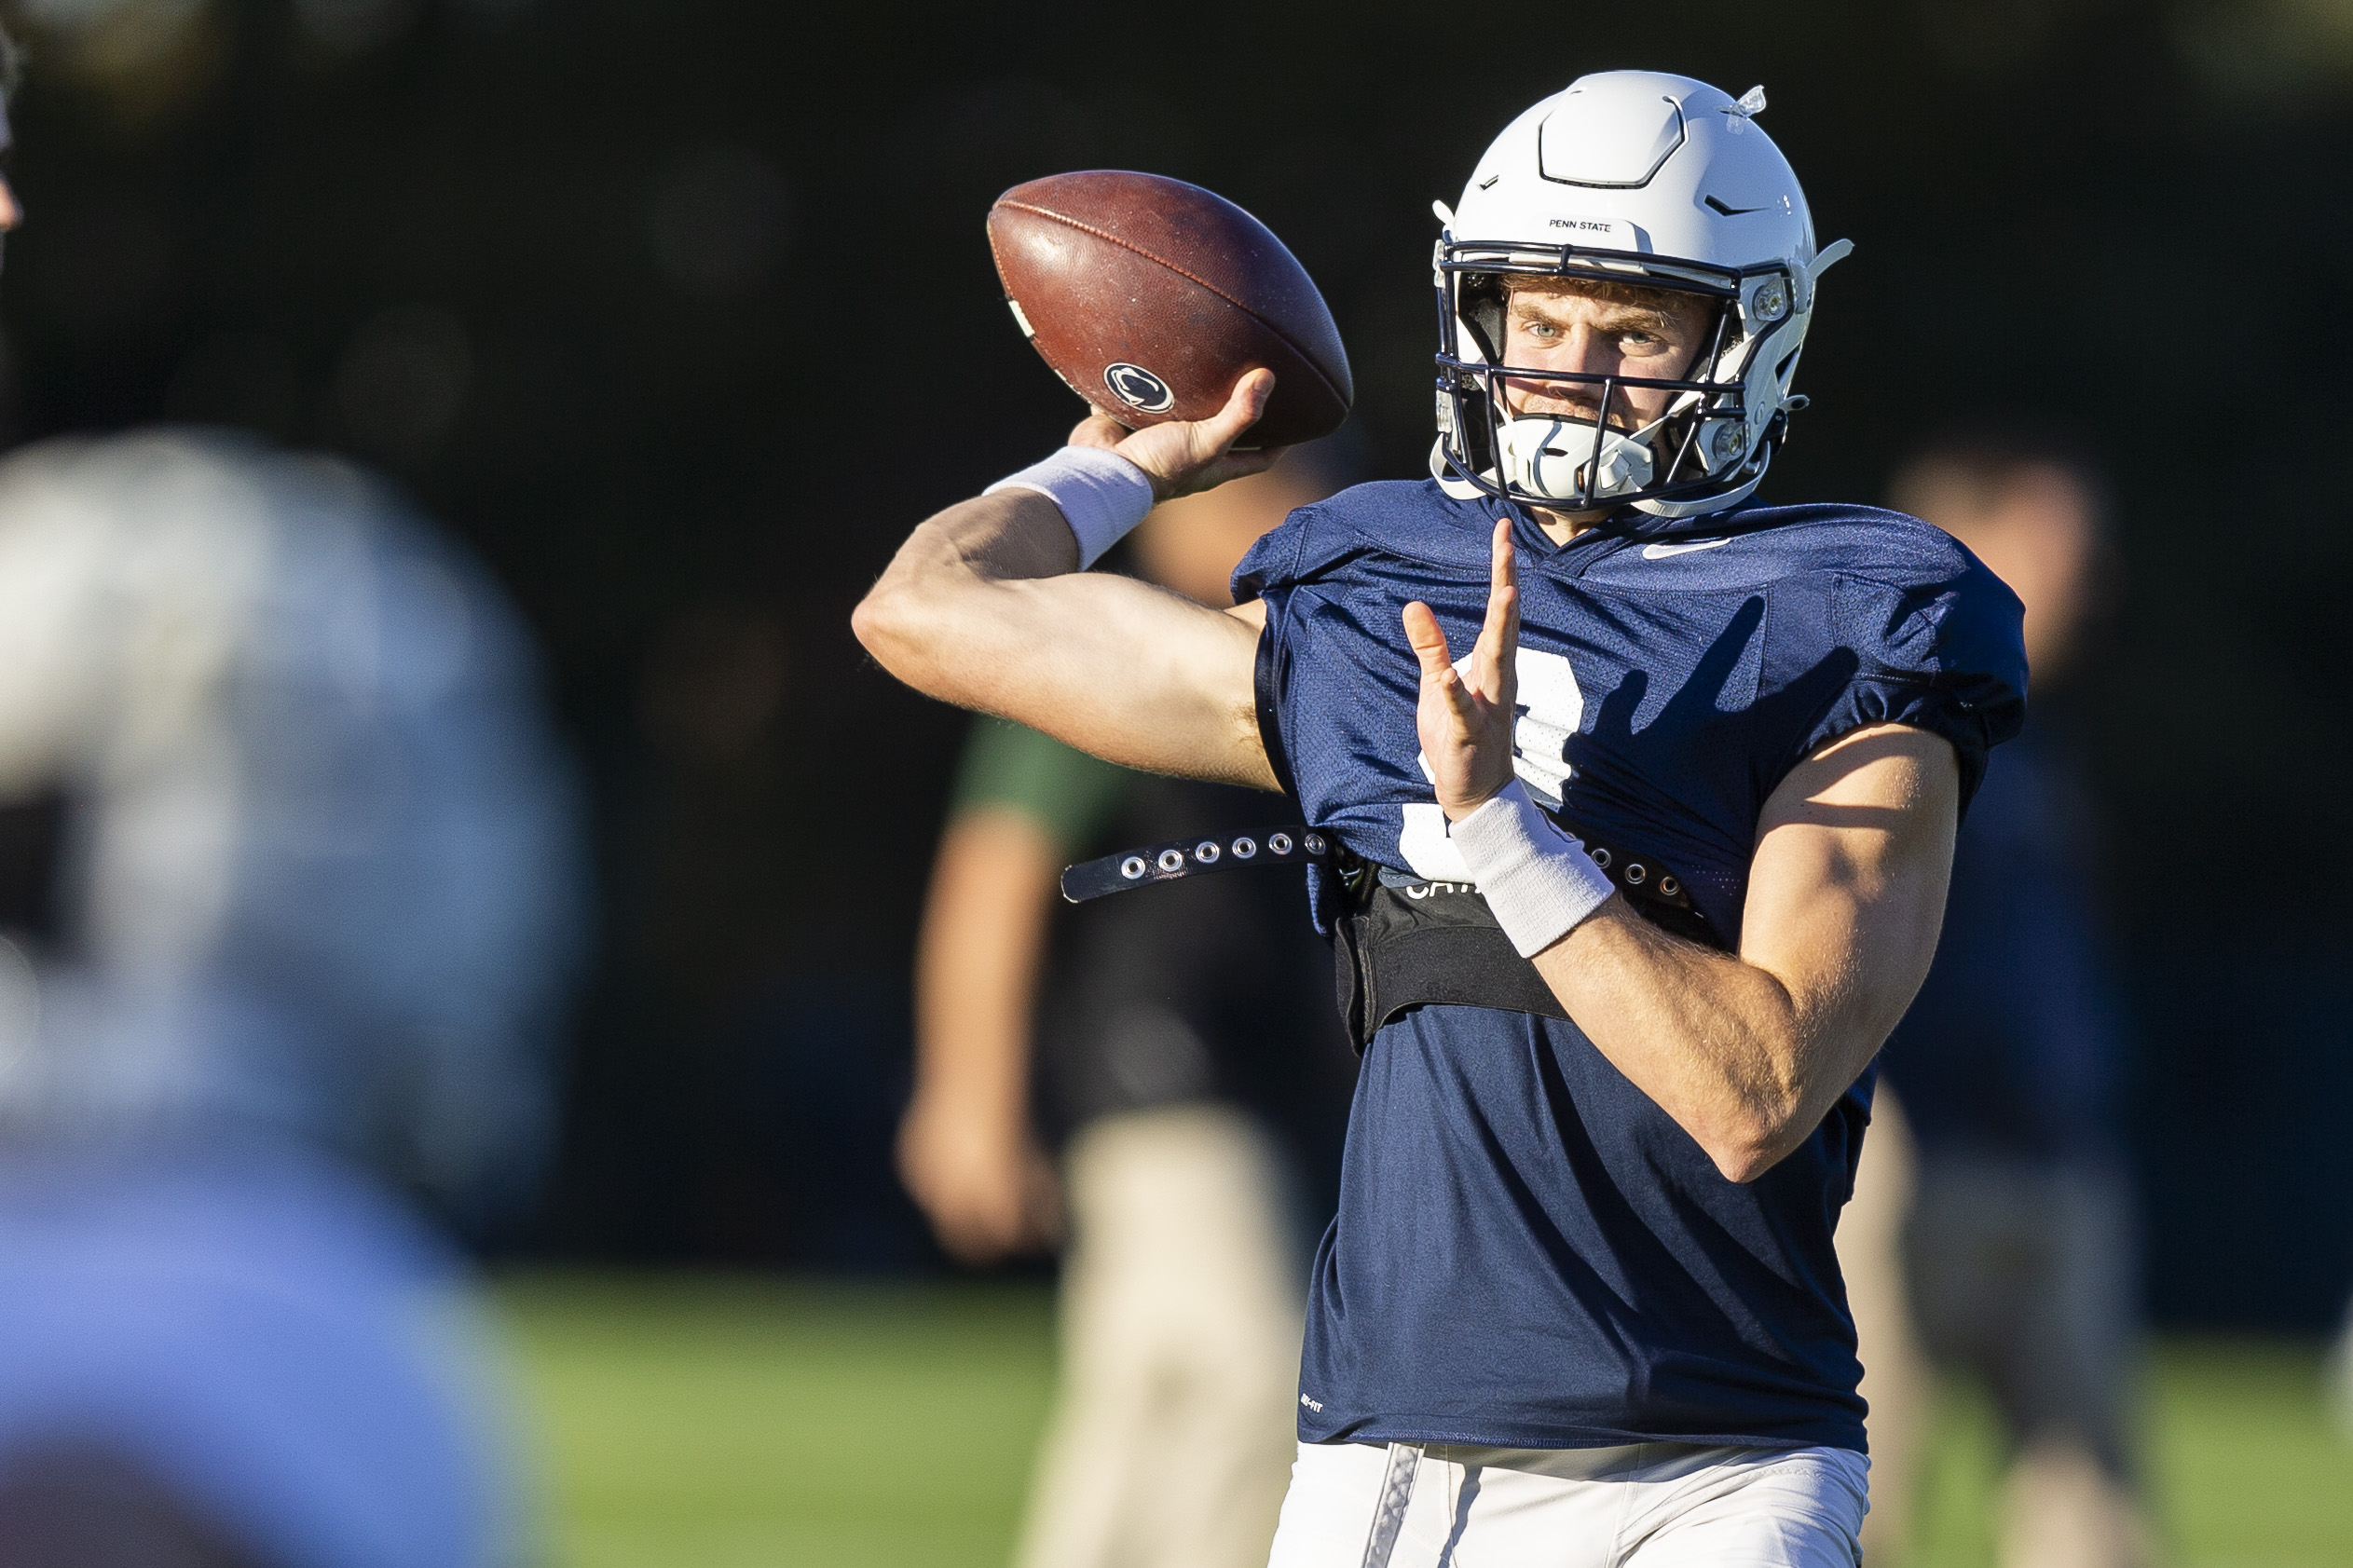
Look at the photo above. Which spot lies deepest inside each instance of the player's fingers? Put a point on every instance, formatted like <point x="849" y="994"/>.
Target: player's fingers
<point x="1502" y="629"/>
<point x="1439" y="675"/>
<point x="1099" y="429"/>
<point x="1451" y="689"/>
<point x="1492" y="655"/>
<point x="1427" y="640"/>
<point x="1512" y="636"/>
<point x="1459" y="699"/>
<point x="1243" y="406"/>
<point x="1499" y="632"/>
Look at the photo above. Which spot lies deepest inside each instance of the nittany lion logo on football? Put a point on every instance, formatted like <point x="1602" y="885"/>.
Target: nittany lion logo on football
<point x="1138" y="387"/>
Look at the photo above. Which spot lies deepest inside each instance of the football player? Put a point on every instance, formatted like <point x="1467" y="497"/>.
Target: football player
<point x="1628" y="896"/>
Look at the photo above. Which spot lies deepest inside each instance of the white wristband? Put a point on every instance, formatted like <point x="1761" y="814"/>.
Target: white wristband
<point x="1101" y="495"/>
<point x="1539" y="882"/>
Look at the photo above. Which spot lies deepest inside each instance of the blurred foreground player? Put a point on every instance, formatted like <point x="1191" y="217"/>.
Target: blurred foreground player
<point x="1581" y="1303"/>
<point x="314" y="899"/>
<point x="2004" y="1245"/>
<point x="1188" y="1054"/>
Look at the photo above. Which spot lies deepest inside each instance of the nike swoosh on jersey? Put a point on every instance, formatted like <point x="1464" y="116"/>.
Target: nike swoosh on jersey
<point x="1661" y="552"/>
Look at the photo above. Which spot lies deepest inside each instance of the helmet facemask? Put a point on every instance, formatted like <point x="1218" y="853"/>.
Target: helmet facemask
<point x="1705" y="452"/>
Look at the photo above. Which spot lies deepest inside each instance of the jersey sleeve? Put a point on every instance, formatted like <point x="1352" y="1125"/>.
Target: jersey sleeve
<point x="1948" y="656"/>
<point x="1067" y="793"/>
<point x="1272" y="561"/>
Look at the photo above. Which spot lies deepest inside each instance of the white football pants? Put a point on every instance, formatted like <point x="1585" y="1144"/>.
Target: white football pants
<point x="1643" y="1506"/>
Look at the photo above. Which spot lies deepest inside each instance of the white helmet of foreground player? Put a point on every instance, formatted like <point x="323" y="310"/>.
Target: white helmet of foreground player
<point x="1629" y="177"/>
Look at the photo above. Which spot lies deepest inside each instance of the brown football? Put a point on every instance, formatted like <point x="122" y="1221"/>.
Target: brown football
<point x="1152" y="297"/>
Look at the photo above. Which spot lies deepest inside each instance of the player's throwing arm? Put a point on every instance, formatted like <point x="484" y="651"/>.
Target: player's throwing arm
<point x="985" y="605"/>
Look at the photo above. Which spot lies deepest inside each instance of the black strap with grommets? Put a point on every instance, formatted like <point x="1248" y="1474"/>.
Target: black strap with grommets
<point x="1178" y="858"/>
<point x="1398" y="942"/>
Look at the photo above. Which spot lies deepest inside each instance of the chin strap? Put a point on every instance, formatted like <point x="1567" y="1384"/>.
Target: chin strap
<point x="1450" y="478"/>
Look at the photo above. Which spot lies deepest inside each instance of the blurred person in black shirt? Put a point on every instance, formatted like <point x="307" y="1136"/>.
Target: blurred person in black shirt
<point x="1187" y="1058"/>
<point x="1992" y="1224"/>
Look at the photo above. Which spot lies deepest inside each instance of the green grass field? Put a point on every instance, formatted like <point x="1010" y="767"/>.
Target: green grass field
<point x="709" y="1423"/>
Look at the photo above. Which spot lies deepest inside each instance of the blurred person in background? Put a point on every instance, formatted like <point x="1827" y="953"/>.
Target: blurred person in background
<point x="1195" y="1071"/>
<point x="2338" y="1387"/>
<point x="312" y="907"/>
<point x="1993" y="1225"/>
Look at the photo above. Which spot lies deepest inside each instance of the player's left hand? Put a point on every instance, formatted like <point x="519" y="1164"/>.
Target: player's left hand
<point x="1465" y="715"/>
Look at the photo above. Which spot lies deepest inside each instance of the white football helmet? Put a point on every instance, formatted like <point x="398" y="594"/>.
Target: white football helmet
<point x="1639" y="178"/>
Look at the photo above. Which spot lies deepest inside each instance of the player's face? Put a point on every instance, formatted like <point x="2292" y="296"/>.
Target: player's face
<point x="1597" y="336"/>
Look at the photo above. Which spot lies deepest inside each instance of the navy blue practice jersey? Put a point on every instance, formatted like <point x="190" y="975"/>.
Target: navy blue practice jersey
<point x="1528" y="1251"/>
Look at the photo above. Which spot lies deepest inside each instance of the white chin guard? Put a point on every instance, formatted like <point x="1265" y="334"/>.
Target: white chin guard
<point x="1548" y="457"/>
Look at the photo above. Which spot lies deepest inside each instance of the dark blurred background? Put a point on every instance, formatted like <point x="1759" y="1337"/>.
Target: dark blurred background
<point x="681" y="313"/>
